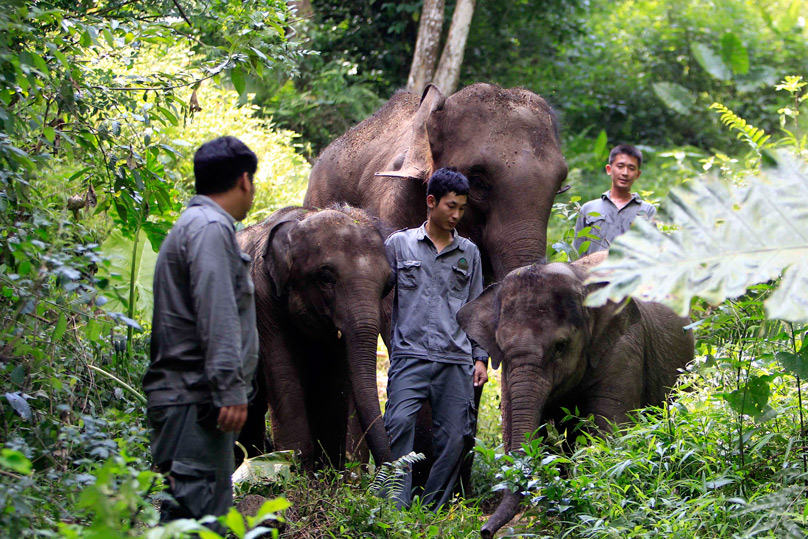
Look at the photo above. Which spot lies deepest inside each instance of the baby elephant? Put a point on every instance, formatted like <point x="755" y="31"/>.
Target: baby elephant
<point x="557" y="354"/>
<point x="320" y="276"/>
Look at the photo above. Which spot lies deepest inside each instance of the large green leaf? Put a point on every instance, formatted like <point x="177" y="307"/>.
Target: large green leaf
<point x="727" y="238"/>
<point x="675" y="96"/>
<point x="118" y="249"/>
<point x="734" y="53"/>
<point x="710" y="61"/>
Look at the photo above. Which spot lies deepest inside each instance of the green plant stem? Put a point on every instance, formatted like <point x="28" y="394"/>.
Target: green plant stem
<point x="123" y="384"/>
<point x="799" y="403"/>
<point x="130" y="312"/>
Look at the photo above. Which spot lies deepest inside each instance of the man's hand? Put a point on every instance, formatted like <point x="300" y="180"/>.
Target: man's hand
<point x="480" y="373"/>
<point x="232" y="418"/>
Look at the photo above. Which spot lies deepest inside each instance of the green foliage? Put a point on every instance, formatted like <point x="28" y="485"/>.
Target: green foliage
<point x="726" y="237"/>
<point x="625" y="59"/>
<point x="90" y="129"/>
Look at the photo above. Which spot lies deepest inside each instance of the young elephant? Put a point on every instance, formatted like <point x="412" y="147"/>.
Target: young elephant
<point x="557" y="354"/>
<point x="320" y="276"/>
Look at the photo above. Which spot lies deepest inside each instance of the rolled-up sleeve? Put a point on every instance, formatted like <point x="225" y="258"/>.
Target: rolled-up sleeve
<point x="478" y="353"/>
<point x="212" y="272"/>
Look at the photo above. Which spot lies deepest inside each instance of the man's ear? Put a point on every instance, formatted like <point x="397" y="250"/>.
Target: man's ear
<point x="431" y="202"/>
<point x="479" y="318"/>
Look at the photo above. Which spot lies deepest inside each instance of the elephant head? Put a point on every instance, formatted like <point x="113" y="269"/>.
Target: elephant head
<point x="558" y="353"/>
<point x="534" y="323"/>
<point x="328" y="271"/>
<point x="506" y="142"/>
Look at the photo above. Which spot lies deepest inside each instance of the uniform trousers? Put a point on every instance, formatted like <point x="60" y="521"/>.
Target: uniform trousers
<point x="448" y="387"/>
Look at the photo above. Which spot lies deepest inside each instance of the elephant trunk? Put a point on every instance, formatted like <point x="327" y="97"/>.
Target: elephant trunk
<point x="528" y="390"/>
<point x="506" y="509"/>
<point x="361" y="343"/>
<point x="522" y="245"/>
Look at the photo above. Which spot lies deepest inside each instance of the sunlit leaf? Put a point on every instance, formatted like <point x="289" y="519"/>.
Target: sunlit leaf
<point x="728" y="238"/>
<point x="59" y="329"/>
<point x="734" y="53"/>
<point x="13" y="460"/>
<point x="750" y="399"/>
<point x="710" y="61"/>
<point x="237" y="77"/>
<point x="675" y="96"/>
<point x="119" y="250"/>
<point x="796" y="364"/>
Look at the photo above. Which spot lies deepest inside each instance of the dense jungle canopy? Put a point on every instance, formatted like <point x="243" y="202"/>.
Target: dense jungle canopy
<point x="102" y="104"/>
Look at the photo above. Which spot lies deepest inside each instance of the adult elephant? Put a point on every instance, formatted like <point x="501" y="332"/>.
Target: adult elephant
<point x="504" y="140"/>
<point x="559" y="354"/>
<point x="320" y="276"/>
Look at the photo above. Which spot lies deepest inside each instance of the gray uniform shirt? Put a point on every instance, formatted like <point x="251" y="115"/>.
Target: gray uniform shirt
<point x="607" y="221"/>
<point x="430" y="289"/>
<point x="204" y="344"/>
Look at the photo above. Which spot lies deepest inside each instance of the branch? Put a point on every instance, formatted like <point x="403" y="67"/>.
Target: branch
<point x="182" y="13"/>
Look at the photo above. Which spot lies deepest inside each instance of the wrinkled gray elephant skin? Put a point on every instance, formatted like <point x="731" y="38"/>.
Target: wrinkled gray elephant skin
<point x="320" y="276"/>
<point x="556" y="353"/>
<point x="504" y="140"/>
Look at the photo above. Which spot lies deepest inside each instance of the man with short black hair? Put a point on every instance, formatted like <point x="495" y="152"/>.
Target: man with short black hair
<point x="615" y="210"/>
<point x="204" y="343"/>
<point x="431" y="357"/>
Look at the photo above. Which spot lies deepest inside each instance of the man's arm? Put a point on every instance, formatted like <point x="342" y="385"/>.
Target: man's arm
<point x="212" y="266"/>
<point x="479" y="355"/>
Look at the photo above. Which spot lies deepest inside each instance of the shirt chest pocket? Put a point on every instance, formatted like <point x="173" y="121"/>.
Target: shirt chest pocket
<point x="408" y="273"/>
<point x="245" y="289"/>
<point x="595" y="221"/>
<point x="459" y="282"/>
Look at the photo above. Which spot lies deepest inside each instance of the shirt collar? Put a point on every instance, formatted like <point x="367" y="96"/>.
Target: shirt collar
<point x="203" y="200"/>
<point x="607" y="196"/>
<point x="421" y="235"/>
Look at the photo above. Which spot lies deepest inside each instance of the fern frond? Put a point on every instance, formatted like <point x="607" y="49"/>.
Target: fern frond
<point x="756" y="137"/>
<point x="390" y="476"/>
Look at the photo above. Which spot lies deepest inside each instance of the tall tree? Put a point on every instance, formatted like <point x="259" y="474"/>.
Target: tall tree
<point x="426" y="45"/>
<point x="452" y="57"/>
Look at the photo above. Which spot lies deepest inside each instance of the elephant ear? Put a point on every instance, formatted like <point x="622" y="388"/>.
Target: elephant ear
<point x="416" y="162"/>
<point x="277" y="255"/>
<point x="607" y="324"/>
<point x="478" y="318"/>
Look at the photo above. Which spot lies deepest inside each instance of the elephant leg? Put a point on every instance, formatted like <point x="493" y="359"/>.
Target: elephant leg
<point x="286" y="396"/>
<point x="253" y="434"/>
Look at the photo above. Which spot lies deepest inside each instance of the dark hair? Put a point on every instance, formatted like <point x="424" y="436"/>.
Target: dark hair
<point x="219" y="162"/>
<point x="447" y="180"/>
<point x="626" y="149"/>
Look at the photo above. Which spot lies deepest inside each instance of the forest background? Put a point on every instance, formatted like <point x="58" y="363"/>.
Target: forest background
<point x="103" y="103"/>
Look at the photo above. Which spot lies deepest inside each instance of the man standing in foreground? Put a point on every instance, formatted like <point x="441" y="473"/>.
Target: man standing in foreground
<point x="204" y="344"/>
<point x="615" y="210"/>
<point x="436" y="273"/>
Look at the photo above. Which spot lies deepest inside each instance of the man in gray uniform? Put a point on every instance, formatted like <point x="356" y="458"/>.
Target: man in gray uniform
<point x="615" y="210"/>
<point x="204" y="344"/>
<point x="436" y="273"/>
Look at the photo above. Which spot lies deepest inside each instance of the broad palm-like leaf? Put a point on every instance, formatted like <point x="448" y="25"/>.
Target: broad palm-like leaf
<point x="728" y="238"/>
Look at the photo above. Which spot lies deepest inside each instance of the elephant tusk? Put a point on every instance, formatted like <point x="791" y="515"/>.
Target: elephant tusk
<point x="339" y="334"/>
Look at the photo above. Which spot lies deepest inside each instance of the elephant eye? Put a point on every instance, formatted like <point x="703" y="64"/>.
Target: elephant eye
<point x="478" y="182"/>
<point x="327" y="275"/>
<point x="560" y="347"/>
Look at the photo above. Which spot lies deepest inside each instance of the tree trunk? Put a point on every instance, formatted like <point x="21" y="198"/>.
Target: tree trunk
<point x="303" y="8"/>
<point x="448" y="72"/>
<point x="426" y="46"/>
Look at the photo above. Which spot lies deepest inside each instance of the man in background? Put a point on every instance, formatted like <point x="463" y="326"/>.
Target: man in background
<point x="615" y="210"/>
<point x="204" y="344"/>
